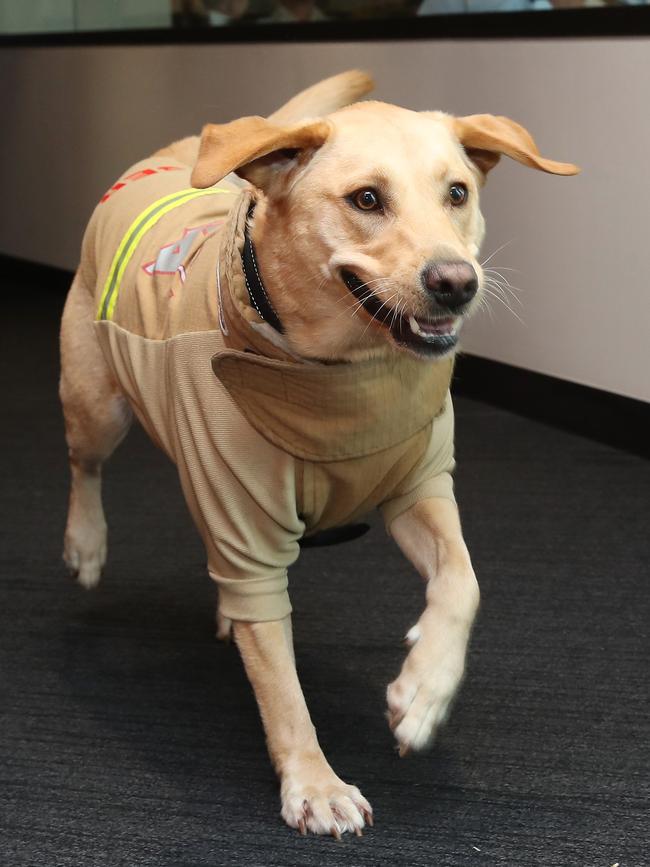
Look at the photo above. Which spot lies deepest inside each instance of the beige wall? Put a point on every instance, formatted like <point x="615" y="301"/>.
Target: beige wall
<point x="73" y="118"/>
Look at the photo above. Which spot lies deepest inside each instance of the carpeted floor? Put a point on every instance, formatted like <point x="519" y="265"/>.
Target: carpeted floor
<point x="128" y="736"/>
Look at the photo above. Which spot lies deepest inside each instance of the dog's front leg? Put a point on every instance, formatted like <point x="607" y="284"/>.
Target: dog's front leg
<point x="313" y="797"/>
<point x="429" y="534"/>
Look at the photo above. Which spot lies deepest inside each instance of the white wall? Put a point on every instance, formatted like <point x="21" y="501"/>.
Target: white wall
<point x="73" y="118"/>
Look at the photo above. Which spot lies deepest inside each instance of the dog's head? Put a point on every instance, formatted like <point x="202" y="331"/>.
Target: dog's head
<point x="368" y="224"/>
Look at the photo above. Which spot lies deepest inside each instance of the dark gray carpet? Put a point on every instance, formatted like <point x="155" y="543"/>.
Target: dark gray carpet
<point x="128" y="736"/>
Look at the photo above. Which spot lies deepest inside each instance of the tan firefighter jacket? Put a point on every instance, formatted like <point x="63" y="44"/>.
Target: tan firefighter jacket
<point x="268" y="447"/>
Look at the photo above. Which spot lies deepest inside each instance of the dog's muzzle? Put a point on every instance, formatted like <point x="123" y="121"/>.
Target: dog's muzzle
<point x="430" y="336"/>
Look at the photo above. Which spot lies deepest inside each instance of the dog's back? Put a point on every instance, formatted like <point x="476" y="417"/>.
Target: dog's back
<point x="159" y="186"/>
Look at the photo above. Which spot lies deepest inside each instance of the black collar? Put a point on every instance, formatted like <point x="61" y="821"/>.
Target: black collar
<point x="256" y="291"/>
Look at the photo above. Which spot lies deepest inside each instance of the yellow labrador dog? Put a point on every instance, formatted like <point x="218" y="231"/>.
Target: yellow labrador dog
<point x="279" y="303"/>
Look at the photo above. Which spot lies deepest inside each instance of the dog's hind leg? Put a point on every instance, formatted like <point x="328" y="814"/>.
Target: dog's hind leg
<point x="97" y="417"/>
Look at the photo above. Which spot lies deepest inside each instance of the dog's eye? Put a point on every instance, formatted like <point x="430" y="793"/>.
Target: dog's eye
<point x="458" y="194"/>
<point x="366" y="200"/>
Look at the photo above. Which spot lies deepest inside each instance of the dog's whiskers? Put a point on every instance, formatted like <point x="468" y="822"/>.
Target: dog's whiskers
<point x="493" y="294"/>
<point x="504" y="268"/>
<point x="498" y="277"/>
<point x="502" y="277"/>
<point x="385" y="280"/>
<point x="375" y="316"/>
<point x="484" y="304"/>
<point x="505" y="290"/>
<point x="498" y="250"/>
<point x="498" y="285"/>
<point x="396" y="311"/>
<point x="358" y="303"/>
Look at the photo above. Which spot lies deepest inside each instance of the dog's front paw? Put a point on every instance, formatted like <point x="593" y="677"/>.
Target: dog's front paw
<point x="315" y="800"/>
<point x="420" y="698"/>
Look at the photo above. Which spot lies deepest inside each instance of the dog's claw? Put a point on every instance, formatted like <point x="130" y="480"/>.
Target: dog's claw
<point x="367" y="815"/>
<point x="332" y="808"/>
<point x="412" y="636"/>
<point x="403" y="750"/>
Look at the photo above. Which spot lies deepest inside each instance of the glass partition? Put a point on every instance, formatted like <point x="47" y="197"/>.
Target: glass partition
<point x="21" y="17"/>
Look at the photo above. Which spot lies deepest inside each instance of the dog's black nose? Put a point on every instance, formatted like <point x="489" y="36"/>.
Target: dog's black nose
<point x="452" y="284"/>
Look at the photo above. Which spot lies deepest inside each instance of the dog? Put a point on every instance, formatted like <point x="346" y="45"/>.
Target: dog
<point x="279" y="303"/>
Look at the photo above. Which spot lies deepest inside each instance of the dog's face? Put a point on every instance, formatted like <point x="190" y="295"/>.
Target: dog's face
<point x="382" y="226"/>
<point x="368" y="227"/>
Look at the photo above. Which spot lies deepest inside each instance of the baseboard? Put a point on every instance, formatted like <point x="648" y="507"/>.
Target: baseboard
<point x="35" y="274"/>
<point x="619" y="421"/>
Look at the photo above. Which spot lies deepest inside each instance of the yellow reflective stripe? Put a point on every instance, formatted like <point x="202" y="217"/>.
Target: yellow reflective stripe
<point x="156" y="214"/>
<point x="112" y="273"/>
<point x="139" y="227"/>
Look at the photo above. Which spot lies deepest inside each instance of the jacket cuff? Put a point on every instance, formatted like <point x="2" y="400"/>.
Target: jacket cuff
<point x="254" y="600"/>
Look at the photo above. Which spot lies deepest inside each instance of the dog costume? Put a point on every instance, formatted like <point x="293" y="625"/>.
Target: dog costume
<point x="269" y="447"/>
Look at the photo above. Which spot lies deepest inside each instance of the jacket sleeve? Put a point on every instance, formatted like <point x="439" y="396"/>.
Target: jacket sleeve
<point x="431" y="477"/>
<point x="240" y="488"/>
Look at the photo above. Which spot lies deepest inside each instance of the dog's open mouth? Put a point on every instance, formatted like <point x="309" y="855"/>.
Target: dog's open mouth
<point x="426" y="336"/>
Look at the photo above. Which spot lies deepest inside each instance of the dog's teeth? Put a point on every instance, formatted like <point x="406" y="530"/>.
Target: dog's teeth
<point x="431" y="336"/>
<point x="428" y="336"/>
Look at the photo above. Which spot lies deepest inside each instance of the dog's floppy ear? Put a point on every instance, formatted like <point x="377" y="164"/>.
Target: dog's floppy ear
<point x="485" y="137"/>
<point x="253" y="147"/>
